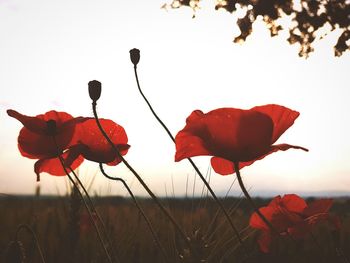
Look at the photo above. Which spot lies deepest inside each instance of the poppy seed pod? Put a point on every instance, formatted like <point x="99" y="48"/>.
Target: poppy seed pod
<point x="94" y="90"/>
<point x="135" y="56"/>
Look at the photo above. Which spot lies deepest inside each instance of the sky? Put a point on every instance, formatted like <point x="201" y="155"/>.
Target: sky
<point x="50" y="50"/>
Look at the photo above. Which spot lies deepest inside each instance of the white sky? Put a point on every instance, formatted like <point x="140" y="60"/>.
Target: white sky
<point x="49" y="50"/>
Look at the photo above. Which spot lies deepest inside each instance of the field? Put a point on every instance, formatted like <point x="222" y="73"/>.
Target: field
<point x="65" y="234"/>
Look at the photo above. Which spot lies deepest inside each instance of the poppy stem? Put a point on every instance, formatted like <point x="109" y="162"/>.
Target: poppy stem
<point x="87" y="208"/>
<point x="144" y="185"/>
<point x="92" y="207"/>
<point x="148" y="222"/>
<point x="252" y="203"/>
<point x="192" y="163"/>
<point x="32" y="233"/>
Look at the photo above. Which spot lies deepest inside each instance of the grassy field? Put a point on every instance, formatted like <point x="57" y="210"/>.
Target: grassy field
<point x="65" y="234"/>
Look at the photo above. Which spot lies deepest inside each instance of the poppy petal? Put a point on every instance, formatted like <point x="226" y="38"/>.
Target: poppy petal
<point x="264" y="241"/>
<point x="33" y="124"/>
<point x="293" y="203"/>
<point x="97" y="148"/>
<point x="189" y="145"/>
<point x="123" y="149"/>
<point x="225" y="167"/>
<point x="281" y="116"/>
<point x="222" y="166"/>
<point x="256" y="221"/>
<point x="36" y="146"/>
<point x="53" y="166"/>
<point x="318" y="207"/>
<point x="196" y="114"/>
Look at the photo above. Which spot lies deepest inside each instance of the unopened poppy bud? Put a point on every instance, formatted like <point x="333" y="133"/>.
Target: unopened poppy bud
<point x="135" y="56"/>
<point x="94" y="89"/>
<point x="51" y="127"/>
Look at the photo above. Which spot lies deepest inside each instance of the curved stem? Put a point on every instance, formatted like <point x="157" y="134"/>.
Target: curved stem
<point x="30" y="230"/>
<point x="92" y="206"/>
<point x="148" y="222"/>
<point x="235" y="230"/>
<point x="86" y="206"/>
<point x="138" y="177"/>
<point x="246" y="194"/>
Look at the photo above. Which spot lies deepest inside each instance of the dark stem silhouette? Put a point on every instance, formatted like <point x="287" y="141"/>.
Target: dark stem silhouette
<point x="144" y="185"/>
<point x="192" y="163"/>
<point x="148" y="222"/>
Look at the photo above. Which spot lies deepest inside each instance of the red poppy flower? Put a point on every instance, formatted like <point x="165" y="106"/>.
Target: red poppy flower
<point x="290" y="215"/>
<point x="35" y="140"/>
<point x="234" y="135"/>
<point x="93" y="146"/>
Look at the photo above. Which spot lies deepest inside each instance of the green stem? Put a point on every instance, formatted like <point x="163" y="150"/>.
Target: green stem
<point x="192" y="163"/>
<point x="156" y="240"/>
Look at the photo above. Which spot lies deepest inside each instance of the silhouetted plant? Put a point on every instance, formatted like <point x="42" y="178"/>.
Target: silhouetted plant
<point x="307" y="17"/>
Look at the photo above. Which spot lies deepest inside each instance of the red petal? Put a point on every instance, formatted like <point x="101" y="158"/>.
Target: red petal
<point x="123" y="149"/>
<point x="36" y="146"/>
<point x="236" y="135"/>
<point x="225" y="167"/>
<point x="222" y="166"/>
<point x="97" y="147"/>
<point x="195" y="115"/>
<point x="53" y="165"/>
<point x="33" y="124"/>
<point x="264" y="241"/>
<point x="293" y="203"/>
<point x="317" y="207"/>
<point x="256" y="221"/>
<point x="189" y="141"/>
<point x="232" y="134"/>
<point x="59" y="117"/>
<point x="281" y="116"/>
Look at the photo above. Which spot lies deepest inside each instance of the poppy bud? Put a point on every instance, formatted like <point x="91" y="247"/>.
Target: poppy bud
<point x="135" y="56"/>
<point x="94" y="89"/>
<point x="51" y="127"/>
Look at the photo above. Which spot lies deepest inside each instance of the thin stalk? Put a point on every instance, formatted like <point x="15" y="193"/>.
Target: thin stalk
<point x="144" y="185"/>
<point x="92" y="207"/>
<point x="86" y="206"/>
<point x="30" y="230"/>
<point x="192" y="163"/>
<point x="246" y="194"/>
<point x="148" y="222"/>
